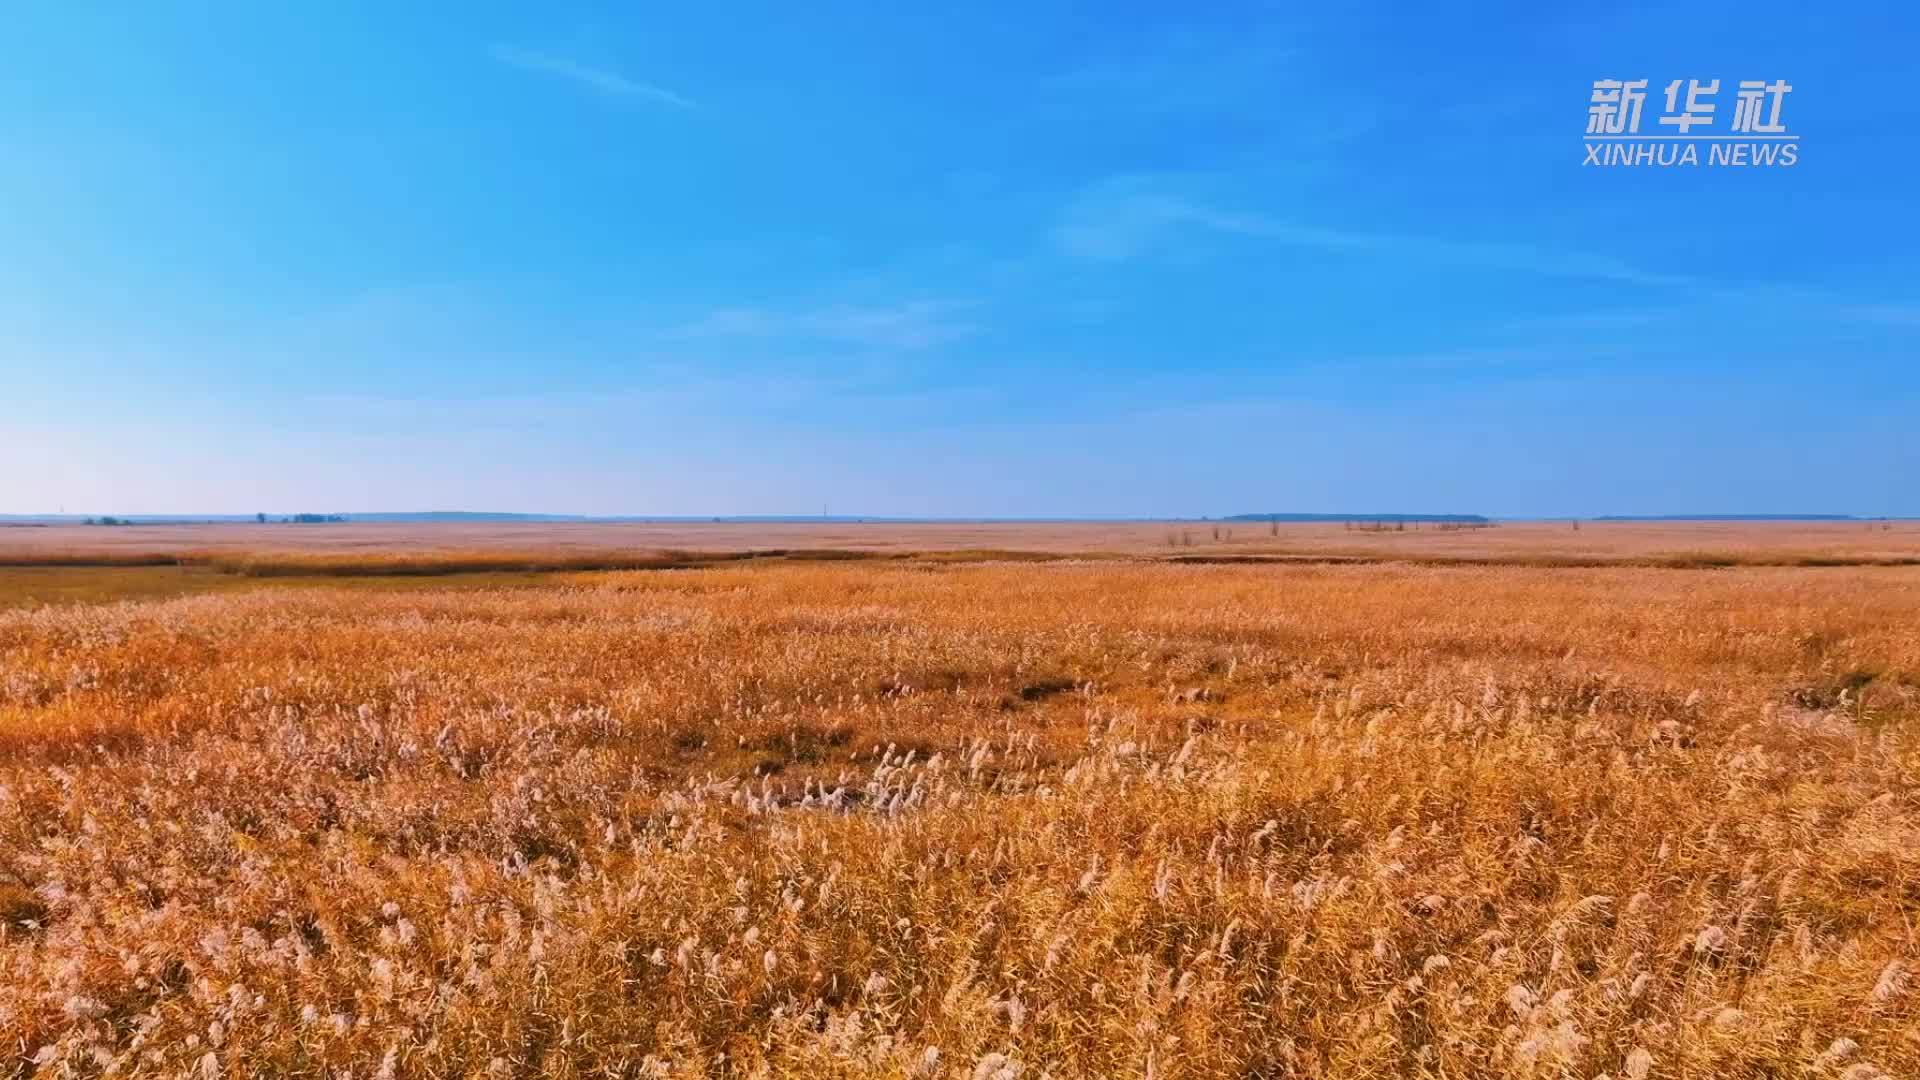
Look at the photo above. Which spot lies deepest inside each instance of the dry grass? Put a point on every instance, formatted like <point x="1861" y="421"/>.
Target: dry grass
<point x="887" y="819"/>
<point x="1687" y="543"/>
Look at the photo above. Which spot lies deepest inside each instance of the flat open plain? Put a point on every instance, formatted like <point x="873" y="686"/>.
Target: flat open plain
<point x="963" y="816"/>
<point x="1762" y="541"/>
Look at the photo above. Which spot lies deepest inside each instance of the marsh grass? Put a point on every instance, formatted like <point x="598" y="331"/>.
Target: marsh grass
<point x="891" y="818"/>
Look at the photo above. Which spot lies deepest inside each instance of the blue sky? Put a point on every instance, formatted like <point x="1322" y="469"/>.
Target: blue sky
<point x="978" y="259"/>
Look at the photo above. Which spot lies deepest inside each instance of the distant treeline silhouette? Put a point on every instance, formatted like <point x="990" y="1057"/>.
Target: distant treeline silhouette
<point x="1368" y="519"/>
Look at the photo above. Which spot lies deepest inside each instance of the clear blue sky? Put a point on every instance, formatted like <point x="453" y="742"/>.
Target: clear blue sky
<point x="1019" y="259"/>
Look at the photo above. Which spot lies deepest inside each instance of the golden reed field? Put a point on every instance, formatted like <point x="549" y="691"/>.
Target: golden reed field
<point x="1559" y="543"/>
<point x="1471" y="805"/>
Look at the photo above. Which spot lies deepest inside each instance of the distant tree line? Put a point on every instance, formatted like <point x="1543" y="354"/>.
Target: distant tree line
<point x="303" y="519"/>
<point x="290" y="519"/>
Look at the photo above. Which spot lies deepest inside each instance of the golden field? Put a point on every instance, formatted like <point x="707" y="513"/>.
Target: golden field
<point x="971" y="819"/>
<point x="599" y="543"/>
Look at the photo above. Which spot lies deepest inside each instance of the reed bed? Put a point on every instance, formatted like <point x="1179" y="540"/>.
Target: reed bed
<point x="904" y="819"/>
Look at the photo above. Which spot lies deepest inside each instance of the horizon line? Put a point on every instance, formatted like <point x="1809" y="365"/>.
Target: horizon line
<point x="374" y="517"/>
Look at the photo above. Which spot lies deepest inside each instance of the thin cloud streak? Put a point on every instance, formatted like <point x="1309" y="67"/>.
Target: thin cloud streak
<point x="1121" y="219"/>
<point x="611" y="83"/>
<point x="919" y="324"/>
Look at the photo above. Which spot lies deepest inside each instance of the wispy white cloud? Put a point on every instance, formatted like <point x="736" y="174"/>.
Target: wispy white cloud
<point x="1272" y="67"/>
<point x="1128" y="216"/>
<point x="917" y="324"/>
<point x="1887" y="314"/>
<point x="1191" y="71"/>
<point x="611" y="83"/>
<point x="1749" y="305"/>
